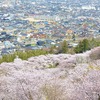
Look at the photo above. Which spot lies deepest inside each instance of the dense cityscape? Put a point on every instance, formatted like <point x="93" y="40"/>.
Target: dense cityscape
<point x="39" y="24"/>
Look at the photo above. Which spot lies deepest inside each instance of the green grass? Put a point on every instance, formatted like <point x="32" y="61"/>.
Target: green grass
<point x="22" y="55"/>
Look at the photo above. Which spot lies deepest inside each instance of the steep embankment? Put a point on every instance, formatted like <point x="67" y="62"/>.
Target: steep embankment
<point x="52" y="77"/>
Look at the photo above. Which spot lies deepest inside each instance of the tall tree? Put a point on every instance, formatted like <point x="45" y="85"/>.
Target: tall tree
<point x="83" y="46"/>
<point x="64" y="47"/>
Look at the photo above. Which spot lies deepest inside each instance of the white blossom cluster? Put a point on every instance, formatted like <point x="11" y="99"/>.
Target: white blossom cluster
<point x="51" y="77"/>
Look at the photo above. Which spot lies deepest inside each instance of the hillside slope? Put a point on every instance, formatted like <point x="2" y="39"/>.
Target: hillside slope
<point x="52" y="77"/>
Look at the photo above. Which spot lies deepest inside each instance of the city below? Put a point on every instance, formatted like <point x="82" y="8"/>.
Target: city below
<point x="41" y="24"/>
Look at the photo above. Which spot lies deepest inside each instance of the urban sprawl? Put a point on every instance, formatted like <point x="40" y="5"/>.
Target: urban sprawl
<point x="28" y="25"/>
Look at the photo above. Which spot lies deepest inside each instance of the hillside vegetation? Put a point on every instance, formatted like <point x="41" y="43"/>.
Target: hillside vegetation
<point x="52" y="77"/>
<point x="63" y="47"/>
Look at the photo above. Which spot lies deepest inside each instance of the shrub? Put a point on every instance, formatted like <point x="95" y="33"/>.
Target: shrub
<point x="95" y="53"/>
